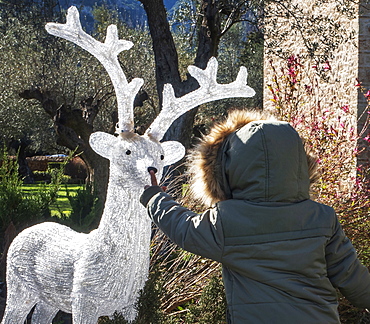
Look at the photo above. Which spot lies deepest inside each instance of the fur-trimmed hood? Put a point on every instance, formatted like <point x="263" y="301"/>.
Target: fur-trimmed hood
<point x="250" y="156"/>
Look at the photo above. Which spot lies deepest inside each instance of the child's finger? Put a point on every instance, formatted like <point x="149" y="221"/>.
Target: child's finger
<point x="153" y="178"/>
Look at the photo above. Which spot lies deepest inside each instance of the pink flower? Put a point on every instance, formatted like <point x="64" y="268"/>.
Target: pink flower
<point x="367" y="138"/>
<point x="275" y="98"/>
<point x="367" y="95"/>
<point x="291" y="71"/>
<point x="327" y="66"/>
<point x="345" y="108"/>
<point x="358" y="83"/>
<point x="293" y="60"/>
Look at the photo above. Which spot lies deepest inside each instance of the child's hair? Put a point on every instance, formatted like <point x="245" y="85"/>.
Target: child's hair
<point x="204" y="169"/>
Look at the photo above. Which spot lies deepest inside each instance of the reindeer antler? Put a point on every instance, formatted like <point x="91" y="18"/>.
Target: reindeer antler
<point x="106" y="53"/>
<point x="173" y="107"/>
<point x="209" y="90"/>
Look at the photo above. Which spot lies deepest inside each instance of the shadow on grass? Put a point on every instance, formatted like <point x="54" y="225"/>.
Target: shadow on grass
<point x="61" y="206"/>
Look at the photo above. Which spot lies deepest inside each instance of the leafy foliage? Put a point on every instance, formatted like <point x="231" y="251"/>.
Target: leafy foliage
<point x="252" y="58"/>
<point x="23" y="50"/>
<point x="149" y="302"/>
<point x="15" y="206"/>
<point x="309" y="23"/>
<point x="211" y="306"/>
<point x="86" y="210"/>
<point x="17" y="209"/>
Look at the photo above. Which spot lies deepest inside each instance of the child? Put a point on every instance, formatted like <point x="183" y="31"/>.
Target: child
<point x="283" y="255"/>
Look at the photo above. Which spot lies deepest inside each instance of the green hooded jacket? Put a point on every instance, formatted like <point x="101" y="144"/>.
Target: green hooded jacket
<point x="283" y="255"/>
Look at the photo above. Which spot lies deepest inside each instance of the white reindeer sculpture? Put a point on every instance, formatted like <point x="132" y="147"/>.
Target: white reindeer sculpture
<point x="90" y="275"/>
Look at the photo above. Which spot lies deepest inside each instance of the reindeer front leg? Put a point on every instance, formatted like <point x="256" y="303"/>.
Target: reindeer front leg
<point x="84" y="311"/>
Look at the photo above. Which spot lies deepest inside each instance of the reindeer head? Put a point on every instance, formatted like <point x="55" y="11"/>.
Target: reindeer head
<point x="130" y="154"/>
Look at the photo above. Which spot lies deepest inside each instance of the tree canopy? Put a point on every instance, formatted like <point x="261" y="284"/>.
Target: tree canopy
<point x="55" y="94"/>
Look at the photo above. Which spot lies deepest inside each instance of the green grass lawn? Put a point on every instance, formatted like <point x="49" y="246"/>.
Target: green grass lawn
<point x="61" y="206"/>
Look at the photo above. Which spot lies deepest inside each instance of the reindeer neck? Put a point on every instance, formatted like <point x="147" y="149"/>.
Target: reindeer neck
<point x="122" y="210"/>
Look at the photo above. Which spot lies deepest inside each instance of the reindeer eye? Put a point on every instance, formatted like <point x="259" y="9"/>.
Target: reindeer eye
<point x="128" y="152"/>
<point x="162" y="157"/>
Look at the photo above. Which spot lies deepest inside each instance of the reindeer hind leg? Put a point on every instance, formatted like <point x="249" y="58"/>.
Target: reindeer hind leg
<point x="43" y="313"/>
<point x="18" y="305"/>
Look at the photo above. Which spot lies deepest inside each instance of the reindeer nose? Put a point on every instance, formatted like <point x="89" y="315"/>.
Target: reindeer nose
<point x="152" y="169"/>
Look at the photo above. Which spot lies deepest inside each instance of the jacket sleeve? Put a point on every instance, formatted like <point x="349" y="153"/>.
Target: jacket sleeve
<point x="197" y="233"/>
<point x="345" y="271"/>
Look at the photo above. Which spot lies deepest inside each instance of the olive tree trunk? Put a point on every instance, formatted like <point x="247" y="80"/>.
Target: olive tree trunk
<point x="167" y="63"/>
<point x="73" y="126"/>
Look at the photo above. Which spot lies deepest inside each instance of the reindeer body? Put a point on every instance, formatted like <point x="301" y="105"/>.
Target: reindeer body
<point x="93" y="274"/>
<point x="30" y="269"/>
<point x="90" y="275"/>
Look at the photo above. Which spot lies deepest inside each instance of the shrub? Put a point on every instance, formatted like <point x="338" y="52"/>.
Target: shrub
<point x="211" y="306"/>
<point x="86" y="209"/>
<point x="15" y="206"/>
<point x="330" y="133"/>
<point x="17" y="209"/>
<point x="149" y="302"/>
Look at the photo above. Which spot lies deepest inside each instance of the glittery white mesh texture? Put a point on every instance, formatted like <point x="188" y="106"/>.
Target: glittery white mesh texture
<point x="106" y="53"/>
<point x="91" y="275"/>
<point x="209" y="90"/>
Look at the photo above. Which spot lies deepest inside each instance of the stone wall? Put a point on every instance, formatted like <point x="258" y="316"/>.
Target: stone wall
<point x="364" y="69"/>
<point x="349" y="61"/>
<point x="344" y="64"/>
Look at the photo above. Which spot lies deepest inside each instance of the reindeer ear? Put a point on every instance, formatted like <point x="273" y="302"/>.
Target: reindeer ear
<point x="102" y="143"/>
<point x="173" y="152"/>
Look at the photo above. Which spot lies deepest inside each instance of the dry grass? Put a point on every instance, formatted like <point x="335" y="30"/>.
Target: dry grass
<point x="184" y="274"/>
